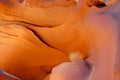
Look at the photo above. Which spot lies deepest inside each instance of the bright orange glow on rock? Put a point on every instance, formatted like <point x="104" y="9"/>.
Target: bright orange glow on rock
<point x="36" y="36"/>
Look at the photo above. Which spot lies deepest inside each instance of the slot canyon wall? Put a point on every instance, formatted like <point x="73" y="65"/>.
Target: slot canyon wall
<point x="59" y="39"/>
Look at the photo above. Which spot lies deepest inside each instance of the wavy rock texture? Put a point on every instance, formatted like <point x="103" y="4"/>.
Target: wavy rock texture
<point x="38" y="35"/>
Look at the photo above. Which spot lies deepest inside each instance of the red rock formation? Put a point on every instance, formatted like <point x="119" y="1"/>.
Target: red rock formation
<point x="37" y="35"/>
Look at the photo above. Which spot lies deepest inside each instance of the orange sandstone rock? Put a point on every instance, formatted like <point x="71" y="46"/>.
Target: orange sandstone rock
<point x="37" y="35"/>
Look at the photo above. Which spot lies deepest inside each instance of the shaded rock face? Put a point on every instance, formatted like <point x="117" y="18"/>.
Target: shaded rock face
<point x="37" y="35"/>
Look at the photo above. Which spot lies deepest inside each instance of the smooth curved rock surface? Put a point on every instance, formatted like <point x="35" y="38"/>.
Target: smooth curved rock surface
<point x="37" y="35"/>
